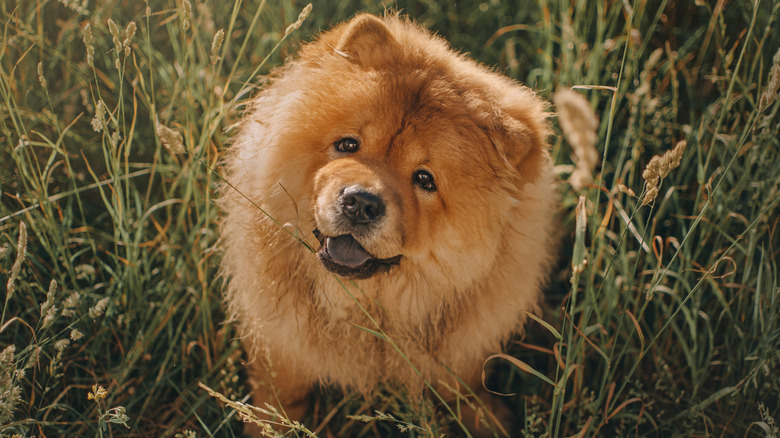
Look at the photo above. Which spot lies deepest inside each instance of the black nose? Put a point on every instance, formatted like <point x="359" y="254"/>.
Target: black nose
<point x="360" y="206"/>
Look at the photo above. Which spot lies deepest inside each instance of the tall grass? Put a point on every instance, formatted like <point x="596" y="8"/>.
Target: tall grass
<point x="108" y="249"/>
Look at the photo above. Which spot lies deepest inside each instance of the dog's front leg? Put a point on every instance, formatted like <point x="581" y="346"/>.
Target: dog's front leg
<point x="284" y="388"/>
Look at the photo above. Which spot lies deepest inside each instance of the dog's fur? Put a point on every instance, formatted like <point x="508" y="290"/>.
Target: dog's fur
<point x="457" y="268"/>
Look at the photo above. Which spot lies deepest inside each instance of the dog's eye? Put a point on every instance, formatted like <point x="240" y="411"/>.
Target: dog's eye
<point x="347" y="144"/>
<point x="424" y="179"/>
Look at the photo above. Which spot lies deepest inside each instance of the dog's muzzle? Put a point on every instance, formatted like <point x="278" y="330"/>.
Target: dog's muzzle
<point x="361" y="211"/>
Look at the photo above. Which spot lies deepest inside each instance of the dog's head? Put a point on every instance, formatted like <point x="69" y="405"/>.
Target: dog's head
<point x="411" y="156"/>
<point x="419" y="166"/>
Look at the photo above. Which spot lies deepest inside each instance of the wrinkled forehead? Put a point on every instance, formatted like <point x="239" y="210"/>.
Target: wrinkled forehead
<point x="403" y="115"/>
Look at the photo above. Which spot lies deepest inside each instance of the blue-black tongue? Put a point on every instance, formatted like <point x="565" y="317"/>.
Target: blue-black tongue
<point x="345" y="250"/>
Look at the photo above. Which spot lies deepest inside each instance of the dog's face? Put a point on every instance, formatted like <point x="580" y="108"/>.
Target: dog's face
<point x="393" y="187"/>
<point x="408" y="166"/>
<point x="410" y="178"/>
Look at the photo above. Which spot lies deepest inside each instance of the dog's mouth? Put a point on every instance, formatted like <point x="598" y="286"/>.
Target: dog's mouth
<point x="344" y="256"/>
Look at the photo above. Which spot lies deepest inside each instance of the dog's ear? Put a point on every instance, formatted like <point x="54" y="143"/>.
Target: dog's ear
<point x="521" y="134"/>
<point x="367" y="41"/>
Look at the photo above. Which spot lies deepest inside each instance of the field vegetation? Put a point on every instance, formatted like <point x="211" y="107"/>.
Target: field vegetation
<point x="662" y="316"/>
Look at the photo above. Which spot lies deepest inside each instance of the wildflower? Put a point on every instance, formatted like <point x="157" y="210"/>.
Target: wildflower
<point x="118" y="415"/>
<point x="659" y="167"/>
<point x="186" y="7"/>
<point x="171" y="139"/>
<point x="216" y="44"/>
<point x="97" y="393"/>
<point x="301" y="17"/>
<point x="579" y="125"/>
<point x="21" y="252"/>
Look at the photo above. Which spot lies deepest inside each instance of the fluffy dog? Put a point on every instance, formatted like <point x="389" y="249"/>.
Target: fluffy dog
<point x="387" y="195"/>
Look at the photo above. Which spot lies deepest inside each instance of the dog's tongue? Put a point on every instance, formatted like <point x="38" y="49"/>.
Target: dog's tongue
<point x="345" y="250"/>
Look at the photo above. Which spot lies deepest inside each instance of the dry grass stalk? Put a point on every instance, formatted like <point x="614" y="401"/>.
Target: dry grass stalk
<point x="216" y="44"/>
<point x="253" y="414"/>
<point x="301" y="17"/>
<point x="129" y="34"/>
<point x="627" y="190"/>
<point x="770" y="94"/>
<point x="41" y="77"/>
<point x="186" y="13"/>
<point x="10" y="392"/>
<point x="659" y="167"/>
<point x="580" y="128"/>
<point x="89" y="41"/>
<point x="21" y="252"/>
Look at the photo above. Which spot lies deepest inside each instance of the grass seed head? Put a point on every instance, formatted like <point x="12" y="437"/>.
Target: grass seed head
<point x="115" y="34"/>
<point x="170" y="138"/>
<point x="627" y="190"/>
<point x="98" y="122"/>
<point x="580" y="127"/>
<point x="650" y="195"/>
<point x="21" y="253"/>
<point x="769" y="95"/>
<point x="659" y="167"/>
<point x="41" y="78"/>
<point x="216" y="44"/>
<point x="97" y="310"/>
<point x="76" y="5"/>
<point x="89" y="41"/>
<point x="301" y="17"/>
<point x="129" y="34"/>
<point x="61" y="345"/>
<point x="186" y="13"/>
<point x="49" y="315"/>
<point x="10" y="394"/>
<point x="646" y="74"/>
<point x="49" y="303"/>
<point x="70" y="303"/>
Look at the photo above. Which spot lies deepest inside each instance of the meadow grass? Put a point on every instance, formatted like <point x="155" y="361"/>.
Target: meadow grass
<point x="662" y="317"/>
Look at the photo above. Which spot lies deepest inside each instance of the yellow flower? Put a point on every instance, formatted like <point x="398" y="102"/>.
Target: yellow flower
<point x="97" y="393"/>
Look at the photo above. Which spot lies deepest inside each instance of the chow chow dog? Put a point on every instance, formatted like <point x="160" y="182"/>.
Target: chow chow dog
<point x="387" y="216"/>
